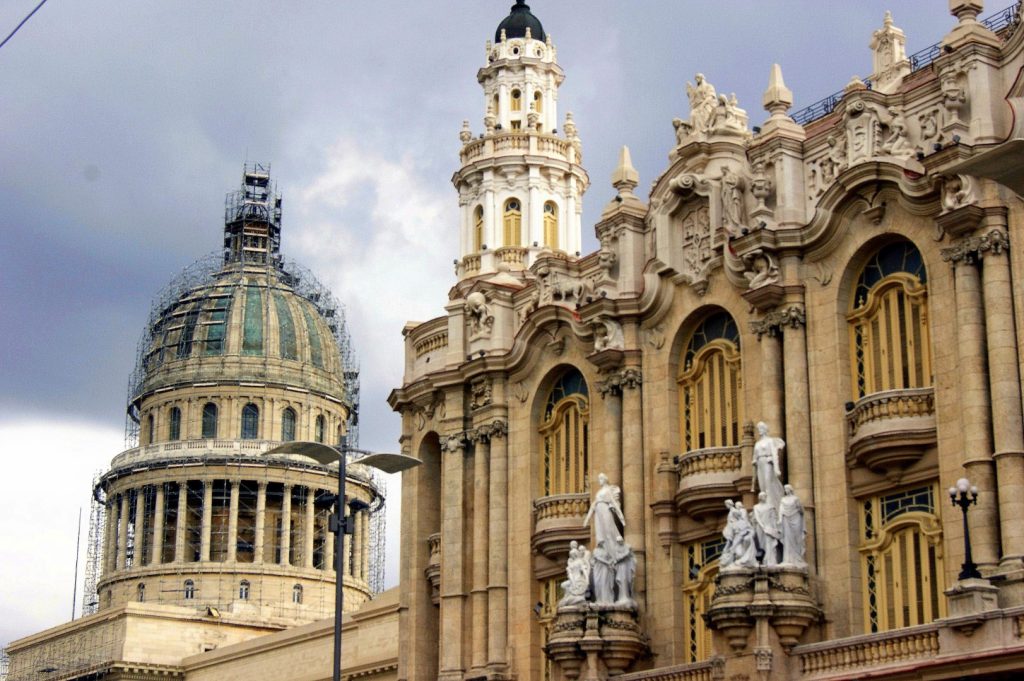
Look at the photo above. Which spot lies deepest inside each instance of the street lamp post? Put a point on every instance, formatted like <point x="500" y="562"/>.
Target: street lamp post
<point x="340" y="523"/>
<point x="963" y="494"/>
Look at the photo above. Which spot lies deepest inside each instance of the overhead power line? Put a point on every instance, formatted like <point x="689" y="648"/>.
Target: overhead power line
<point x="11" y="34"/>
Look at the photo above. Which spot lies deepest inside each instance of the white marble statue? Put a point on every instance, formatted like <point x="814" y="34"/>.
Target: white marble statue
<point x="767" y="465"/>
<point x="740" y="548"/>
<point x="577" y="571"/>
<point x="703" y="103"/>
<point x="766" y="530"/>
<point x="606" y="512"/>
<point x="794" y="532"/>
<point x="614" y="567"/>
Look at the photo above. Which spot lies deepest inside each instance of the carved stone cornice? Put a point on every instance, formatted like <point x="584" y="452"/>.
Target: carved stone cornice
<point x="486" y="432"/>
<point x="971" y="249"/>
<point x="773" y="322"/>
<point x="456" y="441"/>
<point x="615" y="381"/>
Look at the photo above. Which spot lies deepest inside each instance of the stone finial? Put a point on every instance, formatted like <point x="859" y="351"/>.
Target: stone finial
<point x="569" y="126"/>
<point x="966" y="11"/>
<point x="503" y="38"/>
<point x="625" y="178"/>
<point x="465" y="134"/>
<point x="529" y="33"/>
<point x="777" y="98"/>
<point x="490" y="121"/>
<point x="855" y="83"/>
<point x="889" y="56"/>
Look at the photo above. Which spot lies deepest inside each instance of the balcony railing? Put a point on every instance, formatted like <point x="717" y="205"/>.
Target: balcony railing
<point x="873" y="650"/>
<point x="707" y="477"/>
<point x="558" y="520"/>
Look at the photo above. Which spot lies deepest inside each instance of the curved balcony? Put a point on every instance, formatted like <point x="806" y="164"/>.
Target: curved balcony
<point x="557" y="520"/>
<point x="433" y="569"/>
<point x="890" y="430"/>
<point x="514" y="256"/>
<point x="707" y="477"/>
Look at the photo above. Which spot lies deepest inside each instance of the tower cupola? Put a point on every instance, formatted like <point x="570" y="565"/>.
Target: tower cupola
<point x="520" y="183"/>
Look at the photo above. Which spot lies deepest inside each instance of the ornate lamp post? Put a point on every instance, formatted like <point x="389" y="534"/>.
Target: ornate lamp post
<point x="339" y="522"/>
<point x="963" y="494"/>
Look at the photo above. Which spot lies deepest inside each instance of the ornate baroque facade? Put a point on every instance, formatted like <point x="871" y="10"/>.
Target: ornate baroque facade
<point x="846" y="274"/>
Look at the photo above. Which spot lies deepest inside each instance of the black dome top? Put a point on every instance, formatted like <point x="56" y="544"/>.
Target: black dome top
<point x="516" y="23"/>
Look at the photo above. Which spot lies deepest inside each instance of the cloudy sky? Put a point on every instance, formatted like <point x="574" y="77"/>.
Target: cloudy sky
<point x="123" y="124"/>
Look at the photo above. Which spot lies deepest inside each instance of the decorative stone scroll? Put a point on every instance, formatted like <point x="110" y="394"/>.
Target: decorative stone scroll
<point x="792" y="316"/>
<point x="615" y="381"/>
<point x="969" y="250"/>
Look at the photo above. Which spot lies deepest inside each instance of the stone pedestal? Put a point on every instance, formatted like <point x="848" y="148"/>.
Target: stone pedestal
<point x="969" y="600"/>
<point x="593" y="643"/>
<point x="745" y="598"/>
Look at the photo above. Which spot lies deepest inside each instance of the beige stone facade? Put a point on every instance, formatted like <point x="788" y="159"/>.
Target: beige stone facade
<point x="847" y="275"/>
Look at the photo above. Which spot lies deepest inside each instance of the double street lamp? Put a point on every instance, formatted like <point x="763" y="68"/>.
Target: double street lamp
<point x="963" y="494"/>
<point x="340" y="523"/>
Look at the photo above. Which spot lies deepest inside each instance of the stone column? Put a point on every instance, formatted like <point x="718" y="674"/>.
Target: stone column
<point x="156" y="555"/>
<point x="359" y="546"/>
<point x="772" y="387"/>
<point x="110" y="539"/>
<point x="535" y="226"/>
<point x="286" y="524"/>
<point x="481" y="526"/>
<point x="365" y="545"/>
<point x="122" y="532"/>
<point x="799" y="469"/>
<point x="611" y="390"/>
<point x="261" y="522"/>
<point x="1004" y="383"/>
<point x="181" y="524"/>
<point x="453" y="586"/>
<point x="346" y="545"/>
<point x="139" y="527"/>
<point x="310" y="524"/>
<point x="497" y="549"/>
<point x="491" y="230"/>
<point x="975" y="409"/>
<point x="633" y="466"/>
<point x="233" y="521"/>
<point x="207" y="528"/>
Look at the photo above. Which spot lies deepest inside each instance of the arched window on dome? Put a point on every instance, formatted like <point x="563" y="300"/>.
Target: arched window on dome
<point x="551" y="225"/>
<point x="209" y="420"/>
<point x="710" y="385"/>
<point x="902" y="573"/>
<point x="888" y="321"/>
<point x="564" y="432"/>
<point x="243" y="590"/>
<point x="513" y="223"/>
<point x="320" y="427"/>
<point x="150" y="430"/>
<point x="189" y="590"/>
<point x="250" y="422"/>
<point x="478" y="229"/>
<point x="174" y="424"/>
<point x="297" y="594"/>
<point x="288" y="424"/>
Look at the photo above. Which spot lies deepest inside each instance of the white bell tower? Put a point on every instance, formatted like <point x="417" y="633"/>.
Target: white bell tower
<point x="520" y="183"/>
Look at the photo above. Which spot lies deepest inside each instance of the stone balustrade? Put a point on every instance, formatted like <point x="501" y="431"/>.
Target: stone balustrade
<point x="558" y="520"/>
<point x="513" y="255"/>
<point x="707" y="477"/>
<point x="435" y="341"/>
<point x="889" y="405"/>
<point x="470" y="264"/>
<point x="696" y="671"/>
<point x="902" y="645"/>
<point x="516" y="141"/>
<point x="890" y="430"/>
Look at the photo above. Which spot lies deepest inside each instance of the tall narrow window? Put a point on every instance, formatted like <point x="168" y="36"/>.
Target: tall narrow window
<point x="320" y="426"/>
<point x="551" y="225"/>
<point x="517" y="100"/>
<point x="288" y="425"/>
<point x="189" y="590"/>
<point x="174" y="424"/>
<point x="901" y="560"/>
<point x="710" y="386"/>
<point x="478" y="229"/>
<point x="141" y="589"/>
<point x="250" y="422"/>
<point x="700" y="567"/>
<point x="243" y="590"/>
<point x="297" y="594"/>
<point x="565" y="436"/>
<point x="888" y="321"/>
<point x="150" y="430"/>
<point x="209" y="420"/>
<point x="538" y="102"/>
<point x="513" y="223"/>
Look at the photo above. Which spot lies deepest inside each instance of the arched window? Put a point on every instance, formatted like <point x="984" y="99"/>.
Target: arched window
<point x="150" y="430"/>
<point x="710" y="385"/>
<point x="209" y="420"/>
<point x="250" y="422"/>
<point x="901" y="560"/>
<point x="174" y="424"/>
<point x="190" y="590"/>
<point x="320" y="427"/>
<point x="243" y="590"/>
<point x="141" y="591"/>
<point x="478" y="229"/>
<point x="517" y="100"/>
<point x="551" y="225"/>
<point x="288" y="424"/>
<point x="513" y="223"/>
<point x="888" y="321"/>
<point x="565" y="434"/>
<point x="538" y="102"/>
<point x="700" y="565"/>
<point x="297" y="594"/>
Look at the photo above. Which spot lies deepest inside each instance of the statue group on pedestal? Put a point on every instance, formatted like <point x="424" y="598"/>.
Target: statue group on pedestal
<point x="774" y="534"/>
<point x="604" y="576"/>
